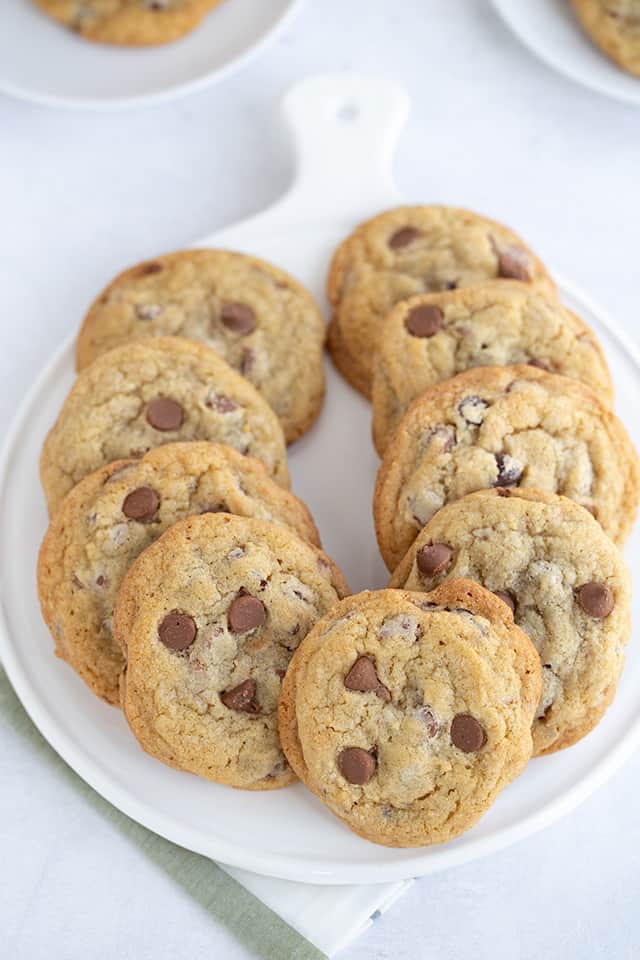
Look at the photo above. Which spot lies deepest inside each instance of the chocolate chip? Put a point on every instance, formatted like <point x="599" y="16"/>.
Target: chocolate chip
<point x="451" y="285"/>
<point x="596" y="599"/>
<point x="163" y="413"/>
<point x="509" y="471"/>
<point x="513" y="264"/>
<point x="424" y="321"/>
<point x="507" y="597"/>
<point x="430" y="721"/>
<point x="246" y="613"/>
<point x="141" y="504"/>
<point x="363" y="677"/>
<point x="238" y="318"/>
<point x="177" y="631"/>
<point x="467" y="733"/>
<point x="403" y="237"/>
<point x="221" y="403"/>
<point x="357" y="765"/>
<point x="433" y="558"/>
<point x="472" y="410"/>
<point x="242" y="698"/>
<point x="148" y="268"/>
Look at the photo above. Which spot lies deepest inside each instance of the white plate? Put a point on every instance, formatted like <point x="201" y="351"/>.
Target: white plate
<point x="43" y="61"/>
<point x="550" y="29"/>
<point x="345" y="129"/>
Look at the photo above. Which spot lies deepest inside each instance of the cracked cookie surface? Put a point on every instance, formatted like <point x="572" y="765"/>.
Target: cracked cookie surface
<point x="614" y="26"/>
<point x="504" y="427"/>
<point x="408" y="251"/>
<point x="157" y="391"/>
<point x="567" y="584"/>
<point x="433" y="337"/>
<point x="129" y="22"/>
<point x="407" y="714"/>
<point x="262" y="321"/>
<point x="209" y="616"/>
<point x="112" y="515"/>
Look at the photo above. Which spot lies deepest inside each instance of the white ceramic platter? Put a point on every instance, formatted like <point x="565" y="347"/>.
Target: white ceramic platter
<point x="41" y="60"/>
<point x="345" y="128"/>
<point x="551" y="31"/>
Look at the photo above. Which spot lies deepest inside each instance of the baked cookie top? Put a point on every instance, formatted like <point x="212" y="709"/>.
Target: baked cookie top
<point x="210" y="615"/>
<point x="407" y="714"/>
<point x="567" y="584"/>
<point x="112" y="515"/>
<point x="614" y="26"/>
<point x="262" y="321"/>
<point x="433" y="337"/>
<point x="157" y="391"/>
<point x="408" y="251"/>
<point x="504" y="427"/>
<point x="129" y="22"/>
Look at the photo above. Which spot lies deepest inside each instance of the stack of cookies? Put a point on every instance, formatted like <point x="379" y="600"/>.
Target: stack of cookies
<point x="506" y="489"/>
<point x="182" y="580"/>
<point x="179" y="573"/>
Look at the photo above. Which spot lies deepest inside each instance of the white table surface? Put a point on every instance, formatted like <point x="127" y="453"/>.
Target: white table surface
<point x="82" y="195"/>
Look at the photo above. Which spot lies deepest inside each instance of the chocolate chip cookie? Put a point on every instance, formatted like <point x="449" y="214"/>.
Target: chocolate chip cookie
<point x="262" y="321"/>
<point x="112" y="515"/>
<point x="157" y="391"/>
<point x="406" y="714"/>
<point x="407" y="251"/>
<point x="432" y="337"/>
<point x="504" y="427"/>
<point x="129" y="22"/>
<point x="614" y="25"/>
<point x="565" y="582"/>
<point x="209" y="617"/>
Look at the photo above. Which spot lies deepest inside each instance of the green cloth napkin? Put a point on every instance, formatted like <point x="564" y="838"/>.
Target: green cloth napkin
<point x="260" y="930"/>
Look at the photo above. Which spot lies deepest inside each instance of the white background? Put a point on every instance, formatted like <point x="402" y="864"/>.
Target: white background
<point x="82" y="195"/>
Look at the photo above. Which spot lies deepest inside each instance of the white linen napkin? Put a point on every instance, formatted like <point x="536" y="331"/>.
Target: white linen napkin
<point x="330" y="917"/>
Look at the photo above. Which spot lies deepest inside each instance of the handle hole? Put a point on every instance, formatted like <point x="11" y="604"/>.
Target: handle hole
<point x="348" y="114"/>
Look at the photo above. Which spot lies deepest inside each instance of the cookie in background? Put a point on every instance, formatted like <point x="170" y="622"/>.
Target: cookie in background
<point x="614" y="26"/>
<point x="129" y="22"/>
